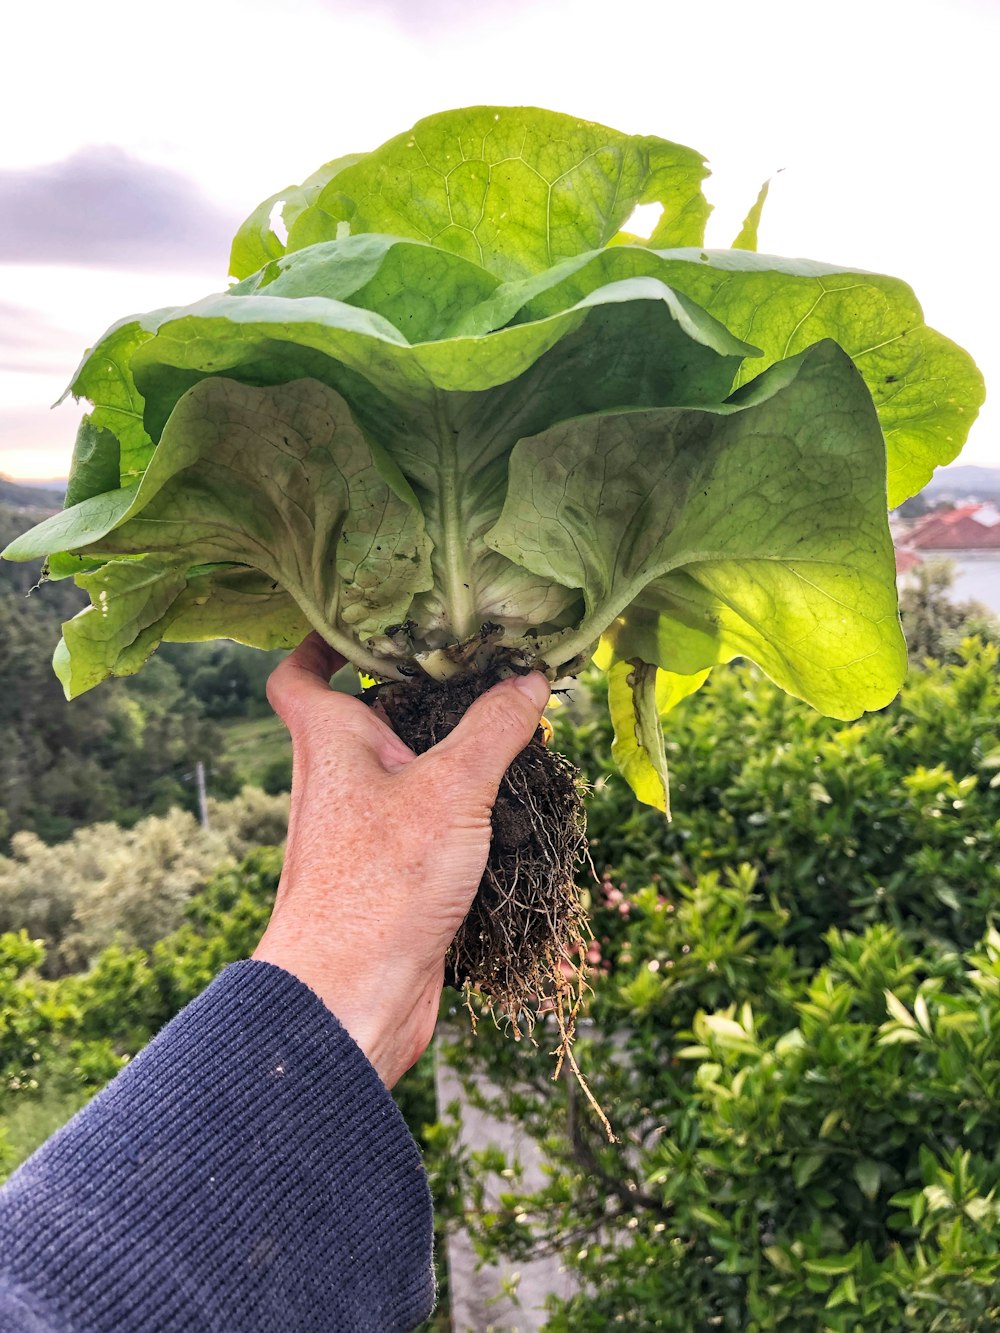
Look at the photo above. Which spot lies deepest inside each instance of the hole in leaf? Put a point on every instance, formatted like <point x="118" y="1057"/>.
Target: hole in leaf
<point x="644" y="219"/>
<point x="277" y="223"/>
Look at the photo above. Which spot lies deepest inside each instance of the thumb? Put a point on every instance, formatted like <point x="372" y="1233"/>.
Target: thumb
<point x="303" y="676"/>
<point x="497" y="727"/>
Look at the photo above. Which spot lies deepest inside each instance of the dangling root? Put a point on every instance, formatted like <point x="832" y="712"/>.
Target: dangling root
<point x="517" y="946"/>
<point x="564" y="1051"/>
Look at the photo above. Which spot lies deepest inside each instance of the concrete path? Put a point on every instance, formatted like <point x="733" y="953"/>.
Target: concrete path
<point x="478" y="1304"/>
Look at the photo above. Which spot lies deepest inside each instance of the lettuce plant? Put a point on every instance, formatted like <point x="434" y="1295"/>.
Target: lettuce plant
<point x="461" y="422"/>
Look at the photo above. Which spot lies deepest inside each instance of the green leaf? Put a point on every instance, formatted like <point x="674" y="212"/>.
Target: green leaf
<point x="779" y="1259"/>
<point x="692" y="358"/>
<point x="747" y="238"/>
<point x="315" y="514"/>
<point x="105" y="378"/>
<point x="844" y="1293"/>
<point x="805" y="1168"/>
<point x="833" y="1266"/>
<point x="73" y="528"/>
<point x="418" y="288"/>
<point x="231" y="602"/>
<point x="675" y="177"/>
<point x="898" y="1010"/>
<point x="927" y="391"/>
<point x="638" y="696"/>
<point x="899" y="1037"/>
<point x="140" y="602"/>
<point x="695" y="544"/>
<point x="112" y="636"/>
<point x="868" y="1175"/>
<point x="256" y="243"/>
<point x="96" y="465"/>
<point x="514" y="189"/>
<point x="672" y="689"/>
<point x="638" y="748"/>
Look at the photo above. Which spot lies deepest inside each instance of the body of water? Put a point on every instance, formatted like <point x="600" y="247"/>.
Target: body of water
<point x="977" y="577"/>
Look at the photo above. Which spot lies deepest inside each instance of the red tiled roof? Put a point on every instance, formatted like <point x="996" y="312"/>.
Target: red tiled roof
<point x="906" y="560"/>
<point x="955" y="530"/>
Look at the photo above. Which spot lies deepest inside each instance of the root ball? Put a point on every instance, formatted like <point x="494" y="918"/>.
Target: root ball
<point x="518" y="943"/>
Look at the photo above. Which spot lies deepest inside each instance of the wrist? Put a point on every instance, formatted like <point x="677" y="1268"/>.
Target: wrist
<point x="389" y="1016"/>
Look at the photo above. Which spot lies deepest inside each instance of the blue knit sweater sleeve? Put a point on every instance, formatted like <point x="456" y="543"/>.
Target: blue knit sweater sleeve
<point x="247" y="1171"/>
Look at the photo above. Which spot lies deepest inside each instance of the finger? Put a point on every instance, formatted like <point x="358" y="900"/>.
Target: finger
<point x="303" y="675"/>
<point x="496" y="728"/>
<point x="301" y="682"/>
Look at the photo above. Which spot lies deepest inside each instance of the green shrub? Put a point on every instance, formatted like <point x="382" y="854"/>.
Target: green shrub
<point x="891" y="818"/>
<point x="796" y="1034"/>
<point x="108" y="884"/>
<point x="801" y="1149"/>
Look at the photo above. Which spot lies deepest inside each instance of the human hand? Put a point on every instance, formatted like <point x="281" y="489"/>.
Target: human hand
<point x="385" y="849"/>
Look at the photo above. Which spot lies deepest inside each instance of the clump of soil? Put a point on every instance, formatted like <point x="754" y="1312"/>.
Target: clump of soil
<point x="519" y="944"/>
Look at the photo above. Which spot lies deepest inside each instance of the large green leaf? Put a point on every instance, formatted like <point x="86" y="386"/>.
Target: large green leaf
<point x="447" y="414"/>
<point x="513" y="189"/>
<point x="104" y="377"/>
<point x="418" y="288"/>
<point x="280" y="480"/>
<point x="264" y="338"/>
<point x="755" y="528"/>
<point x="116" y="634"/>
<point x="75" y="528"/>
<point x="442" y="424"/>
<point x="257" y="243"/>
<point x="926" y="389"/>
<point x="138" y="603"/>
<point x="232" y="602"/>
<point x="96" y="465"/>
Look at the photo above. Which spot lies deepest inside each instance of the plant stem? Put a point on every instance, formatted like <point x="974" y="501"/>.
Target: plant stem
<point x="349" y="648"/>
<point x="453" y="550"/>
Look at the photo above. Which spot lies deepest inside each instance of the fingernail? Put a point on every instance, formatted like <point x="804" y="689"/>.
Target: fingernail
<point x="535" y="686"/>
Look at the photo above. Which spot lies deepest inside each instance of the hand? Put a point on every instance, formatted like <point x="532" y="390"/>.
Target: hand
<point x="385" y="849"/>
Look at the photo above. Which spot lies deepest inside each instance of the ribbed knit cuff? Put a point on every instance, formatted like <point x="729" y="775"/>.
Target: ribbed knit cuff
<point x="247" y="1171"/>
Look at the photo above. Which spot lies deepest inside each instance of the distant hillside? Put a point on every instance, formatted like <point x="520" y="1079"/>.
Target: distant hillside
<point x="963" y="481"/>
<point x="29" y="495"/>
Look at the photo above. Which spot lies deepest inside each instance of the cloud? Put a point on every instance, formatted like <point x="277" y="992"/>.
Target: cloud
<point x="102" y="208"/>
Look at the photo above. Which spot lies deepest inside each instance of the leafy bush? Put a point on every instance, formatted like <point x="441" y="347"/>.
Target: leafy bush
<point x="892" y="818"/>
<point x="804" y="1071"/>
<point x="108" y="883"/>
<point x="801" y="1149"/>
<point x="795" y="1035"/>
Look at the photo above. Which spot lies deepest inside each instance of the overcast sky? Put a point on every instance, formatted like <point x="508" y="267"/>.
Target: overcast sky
<point x="138" y="136"/>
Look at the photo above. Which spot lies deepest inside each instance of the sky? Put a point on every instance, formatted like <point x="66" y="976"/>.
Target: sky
<point x="138" y="136"/>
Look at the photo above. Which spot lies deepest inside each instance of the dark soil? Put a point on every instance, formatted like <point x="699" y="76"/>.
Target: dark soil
<point x="526" y="922"/>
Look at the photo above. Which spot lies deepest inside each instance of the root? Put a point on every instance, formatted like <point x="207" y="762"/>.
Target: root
<point x="564" y="1051"/>
<point x="521" y="950"/>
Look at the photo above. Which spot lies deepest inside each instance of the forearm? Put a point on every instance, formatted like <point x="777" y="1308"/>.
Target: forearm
<point x="247" y="1171"/>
